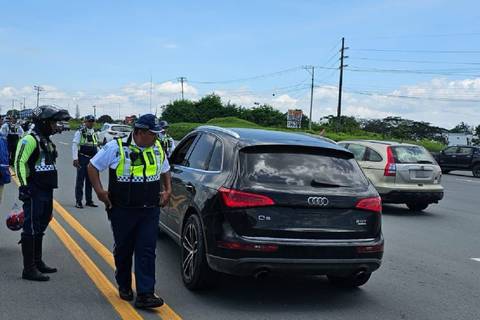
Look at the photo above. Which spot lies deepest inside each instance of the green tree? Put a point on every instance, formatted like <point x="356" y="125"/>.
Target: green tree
<point x="105" y="118"/>
<point x="462" y="127"/>
<point x="264" y="115"/>
<point x="180" y="111"/>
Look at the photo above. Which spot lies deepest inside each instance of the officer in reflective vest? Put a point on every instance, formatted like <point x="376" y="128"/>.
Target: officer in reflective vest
<point x="35" y="163"/>
<point x="166" y="140"/>
<point x="138" y="170"/>
<point x="84" y="147"/>
<point x="13" y="132"/>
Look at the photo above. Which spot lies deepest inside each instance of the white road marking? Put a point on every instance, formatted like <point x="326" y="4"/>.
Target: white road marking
<point x="476" y="259"/>
<point x="467" y="180"/>
<point x="63" y="143"/>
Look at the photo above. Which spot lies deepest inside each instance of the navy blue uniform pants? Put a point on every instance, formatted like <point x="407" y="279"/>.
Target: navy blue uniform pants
<point x="135" y="231"/>
<point x="82" y="178"/>
<point x="38" y="211"/>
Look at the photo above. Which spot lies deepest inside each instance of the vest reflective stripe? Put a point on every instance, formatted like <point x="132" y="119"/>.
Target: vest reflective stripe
<point x="129" y="172"/>
<point x="43" y="168"/>
<point x="84" y="141"/>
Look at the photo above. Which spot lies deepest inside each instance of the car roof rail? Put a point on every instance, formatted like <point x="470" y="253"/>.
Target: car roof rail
<point x="224" y="130"/>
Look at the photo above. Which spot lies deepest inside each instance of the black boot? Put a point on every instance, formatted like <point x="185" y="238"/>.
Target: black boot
<point x="30" y="271"/>
<point x="41" y="266"/>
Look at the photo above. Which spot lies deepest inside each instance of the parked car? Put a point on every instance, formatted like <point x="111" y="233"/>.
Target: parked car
<point x="401" y="172"/>
<point x="110" y="131"/>
<point x="254" y="202"/>
<point x="463" y="158"/>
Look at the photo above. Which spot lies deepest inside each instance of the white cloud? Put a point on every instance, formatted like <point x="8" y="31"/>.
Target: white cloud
<point x="135" y="99"/>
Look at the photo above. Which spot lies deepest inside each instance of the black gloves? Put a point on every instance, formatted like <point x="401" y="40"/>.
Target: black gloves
<point x="24" y="193"/>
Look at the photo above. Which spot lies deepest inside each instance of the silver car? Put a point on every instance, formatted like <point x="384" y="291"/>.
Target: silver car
<point x="401" y="172"/>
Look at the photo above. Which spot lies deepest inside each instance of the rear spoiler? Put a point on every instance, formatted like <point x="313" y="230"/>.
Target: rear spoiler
<point x="288" y="148"/>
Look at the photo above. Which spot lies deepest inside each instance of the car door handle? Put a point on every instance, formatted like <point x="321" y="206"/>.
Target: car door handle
<point x="189" y="187"/>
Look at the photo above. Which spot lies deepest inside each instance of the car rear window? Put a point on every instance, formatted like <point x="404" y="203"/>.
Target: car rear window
<point x="121" y="129"/>
<point x="299" y="167"/>
<point x="411" y="154"/>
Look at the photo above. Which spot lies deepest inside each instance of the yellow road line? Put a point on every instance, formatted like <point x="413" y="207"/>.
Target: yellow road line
<point x="165" y="312"/>
<point x="123" y="308"/>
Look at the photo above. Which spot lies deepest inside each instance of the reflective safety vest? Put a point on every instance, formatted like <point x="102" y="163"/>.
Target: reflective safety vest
<point x="43" y="171"/>
<point x="88" y="143"/>
<point x="135" y="183"/>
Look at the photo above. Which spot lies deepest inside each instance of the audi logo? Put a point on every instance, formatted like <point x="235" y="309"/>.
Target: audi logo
<point x="318" y="201"/>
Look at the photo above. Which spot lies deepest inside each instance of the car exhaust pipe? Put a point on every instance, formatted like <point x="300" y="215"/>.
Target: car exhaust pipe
<point x="360" y="274"/>
<point x="261" y="274"/>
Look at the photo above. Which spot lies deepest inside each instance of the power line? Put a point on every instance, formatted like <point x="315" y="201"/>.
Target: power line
<point x="421" y="51"/>
<point x="38" y="89"/>
<point x="417" y="61"/>
<point x="248" y="78"/>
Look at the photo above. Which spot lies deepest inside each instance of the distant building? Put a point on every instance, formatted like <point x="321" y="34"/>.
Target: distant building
<point x="455" y="139"/>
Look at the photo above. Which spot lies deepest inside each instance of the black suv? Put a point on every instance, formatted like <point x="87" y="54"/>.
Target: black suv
<point x="464" y="158"/>
<point x="253" y="202"/>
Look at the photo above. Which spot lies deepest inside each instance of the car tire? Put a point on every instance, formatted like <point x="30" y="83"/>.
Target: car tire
<point x="445" y="171"/>
<point x="196" y="273"/>
<point x="104" y="142"/>
<point x="476" y="171"/>
<point x="350" y="281"/>
<point x="417" y="206"/>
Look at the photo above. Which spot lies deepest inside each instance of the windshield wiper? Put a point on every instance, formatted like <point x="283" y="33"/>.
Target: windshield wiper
<point x="318" y="184"/>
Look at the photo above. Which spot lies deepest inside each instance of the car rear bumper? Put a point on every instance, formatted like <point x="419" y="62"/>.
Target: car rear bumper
<point x="337" y="258"/>
<point x="412" y="196"/>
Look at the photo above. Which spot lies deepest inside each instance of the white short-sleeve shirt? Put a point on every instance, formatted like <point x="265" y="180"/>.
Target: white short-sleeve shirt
<point x="109" y="157"/>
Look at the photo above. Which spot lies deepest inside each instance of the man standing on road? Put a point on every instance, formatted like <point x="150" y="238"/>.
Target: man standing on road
<point x="35" y="165"/>
<point x="138" y="169"/>
<point x="13" y="132"/>
<point x="166" y="140"/>
<point x="4" y="167"/>
<point x="84" y="147"/>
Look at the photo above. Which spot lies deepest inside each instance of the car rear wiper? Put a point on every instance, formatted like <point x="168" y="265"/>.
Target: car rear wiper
<point x="425" y="161"/>
<point x="318" y="184"/>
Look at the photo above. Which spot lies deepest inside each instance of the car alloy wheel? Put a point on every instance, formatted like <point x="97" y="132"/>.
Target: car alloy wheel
<point x="190" y="250"/>
<point x="196" y="273"/>
<point x="476" y="171"/>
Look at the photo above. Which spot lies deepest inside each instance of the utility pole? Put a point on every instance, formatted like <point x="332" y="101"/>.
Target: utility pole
<point x="311" y="69"/>
<point x="77" y="112"/>
<point x="182" y="79"/>
<point x="95" y="111"/>
<point x="38" y="89"/>
<point x="24" y="103"/>
<point x="340" y="83"/>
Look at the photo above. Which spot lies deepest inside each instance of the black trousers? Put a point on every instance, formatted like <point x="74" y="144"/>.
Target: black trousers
<point x="38" y="211"/>
<point x="12" y="141"/>
<point x="135" y="232"/>
<point x="82" y="179"/>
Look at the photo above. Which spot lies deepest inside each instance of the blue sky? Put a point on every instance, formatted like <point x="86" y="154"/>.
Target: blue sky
<point x="104" y="53"/>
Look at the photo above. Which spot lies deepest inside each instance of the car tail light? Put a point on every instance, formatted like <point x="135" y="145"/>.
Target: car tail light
<point x="390" y="167"/>
<point x="247" y="246"/>
<point x="370" y="249"/>
<point x="239" y="199"/>
<point x="371" y="204"/>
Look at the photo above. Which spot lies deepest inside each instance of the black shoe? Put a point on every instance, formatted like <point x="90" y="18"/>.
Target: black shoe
<point x="30" y="271"/>
<point x="79" y="205"/>
<point x="147" y="301"/>
<point x="91" y="204"/>
<point x="125" y="294"/>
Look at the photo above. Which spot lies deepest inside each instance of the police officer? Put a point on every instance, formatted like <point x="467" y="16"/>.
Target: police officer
<point x="35" y="165"/>
<point x="84" y="147"/>
<point x="138" y="170"/>
<point x="13" y="132"/>
<point x="166" y="140"/>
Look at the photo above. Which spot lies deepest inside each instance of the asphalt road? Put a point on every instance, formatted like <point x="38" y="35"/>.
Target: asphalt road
<point x="429" y="269"/>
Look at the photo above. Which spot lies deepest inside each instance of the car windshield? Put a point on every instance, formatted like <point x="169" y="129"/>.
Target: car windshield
<point x="302" y="168"/>
<point x="411" y="154"/>
<point x="121" y="128"/>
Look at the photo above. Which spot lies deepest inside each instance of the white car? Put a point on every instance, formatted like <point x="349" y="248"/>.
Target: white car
<point x="111" y="131"/>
